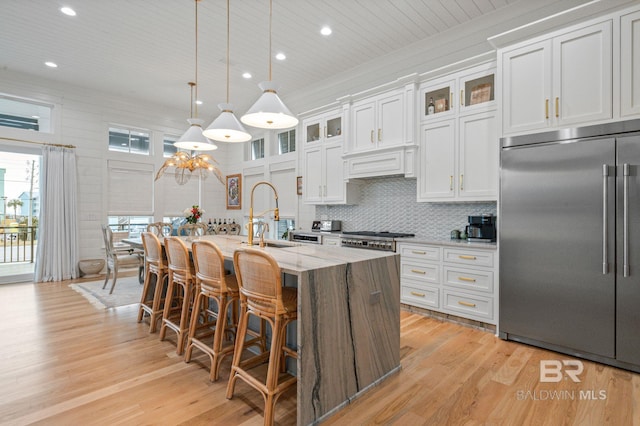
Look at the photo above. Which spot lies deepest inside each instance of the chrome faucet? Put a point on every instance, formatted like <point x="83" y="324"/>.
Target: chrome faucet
<point x="276" y="212"/>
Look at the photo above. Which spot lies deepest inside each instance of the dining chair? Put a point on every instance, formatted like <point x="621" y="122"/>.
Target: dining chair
<point x="160" y="229"/>
<point x="233" y="229"/>
<point x="118" y="258"/>
<point x="192" y="229"/>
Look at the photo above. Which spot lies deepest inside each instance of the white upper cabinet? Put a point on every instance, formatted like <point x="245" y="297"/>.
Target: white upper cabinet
<point x="378" y="122"/>
<point x="630" y="64"/>
<point x="323" y="128"/>
<point x="558" y="81"/>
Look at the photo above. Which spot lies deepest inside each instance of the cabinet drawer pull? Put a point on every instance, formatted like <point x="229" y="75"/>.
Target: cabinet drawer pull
<point x="418" y="271"/>
<point x="415" y="293"/>
<point x="418" y="252"/>
<point x="462" y="256"/>
<point x="546" y="109"/>
<point x="471" y="280"/>
<point x="471" y="305"/>
<point x="379" y="135"/>
<point x="450" y="182"/>
<point x="372" y="135"/>
<point x="557" y="107"/>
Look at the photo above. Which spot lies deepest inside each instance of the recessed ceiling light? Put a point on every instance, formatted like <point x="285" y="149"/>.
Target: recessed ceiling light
<point x="51" y="64"/>
<point x="199" y="102"/>
<point x="68" y="11"/>
<point x="325" y="31"/>
<point x="281" y="56"/>
<point x="247" y="75"/>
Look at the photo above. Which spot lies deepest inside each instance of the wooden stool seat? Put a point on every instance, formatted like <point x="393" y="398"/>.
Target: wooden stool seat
<point x="155" y="266"/>
<point x="262" y="295"/>
<point x="180" y="291"/>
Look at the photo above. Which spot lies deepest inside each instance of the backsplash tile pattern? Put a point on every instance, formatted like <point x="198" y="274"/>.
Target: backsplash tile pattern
<point x="389" y="204"/>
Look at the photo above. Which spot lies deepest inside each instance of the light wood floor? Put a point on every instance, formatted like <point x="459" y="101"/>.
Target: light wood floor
<point x="64" y="362"/>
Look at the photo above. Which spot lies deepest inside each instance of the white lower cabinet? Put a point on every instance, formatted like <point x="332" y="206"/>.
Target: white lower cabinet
<point x="456" y="281"/>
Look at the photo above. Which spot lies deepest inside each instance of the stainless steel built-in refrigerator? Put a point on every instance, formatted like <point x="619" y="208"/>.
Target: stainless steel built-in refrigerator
<point x="569" y="242"/>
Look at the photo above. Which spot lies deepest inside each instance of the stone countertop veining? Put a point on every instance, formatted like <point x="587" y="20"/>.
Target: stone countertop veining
<point x="430" y="239"/>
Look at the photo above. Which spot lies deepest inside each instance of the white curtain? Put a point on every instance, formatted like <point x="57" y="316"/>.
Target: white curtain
<point x="57" y="255"/>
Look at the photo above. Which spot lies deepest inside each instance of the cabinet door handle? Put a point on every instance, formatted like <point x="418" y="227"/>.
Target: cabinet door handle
<point x="450" y="182"/>
<point x="450" y="100"/>
<point x="461" y="97"/>
<point x="461" y="182"/>
<point x="319" y="190"/>
<point x="325" y="132"/>
<point x="372" y="136"/>
<point x="557" y="107"/>
<point x="467" y="279"/>
<point x="546" y="109"/>
<point x="625" y="221"/>
<point x="471" y="305"/>
<point x="462" y="256"/>
<point x="418" y="252"/>
<point x="605" y="218"/>
<point x="418" y="271"/>
<point x="379" y="135"/>
<point x="415" y="293"/>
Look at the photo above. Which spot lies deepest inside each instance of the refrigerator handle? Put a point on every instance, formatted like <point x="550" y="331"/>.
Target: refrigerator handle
<point x="605" y="220"/>
<point x="625" y="221"/>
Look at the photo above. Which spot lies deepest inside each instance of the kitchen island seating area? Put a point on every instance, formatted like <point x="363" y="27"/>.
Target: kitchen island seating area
<point x="341" y="306"/>
<point x="155" y="280"/>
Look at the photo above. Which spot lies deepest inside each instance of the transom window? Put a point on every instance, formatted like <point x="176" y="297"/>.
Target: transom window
<point x="129" y="140"/>
<point x="168" y="147"/>
<point x="25" y="114"/>
<point x="287" y="142"/>
<point x="257" y="149"/>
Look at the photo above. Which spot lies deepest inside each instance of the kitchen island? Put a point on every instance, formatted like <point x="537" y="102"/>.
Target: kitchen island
<point x="348" y="327"/>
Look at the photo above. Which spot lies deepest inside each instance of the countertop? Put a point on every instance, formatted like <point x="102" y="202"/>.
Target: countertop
<point x="426" y="239"/>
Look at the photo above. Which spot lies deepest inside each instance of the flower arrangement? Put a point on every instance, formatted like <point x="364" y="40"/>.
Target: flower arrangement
<point x="193" y="213"/>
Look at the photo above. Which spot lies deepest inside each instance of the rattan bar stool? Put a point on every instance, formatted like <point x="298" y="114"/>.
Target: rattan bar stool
<point x="155" y="266"/>
<point x="180" y="291"/>
<point x="262" y="295"/>
<point x="209" y="328"/>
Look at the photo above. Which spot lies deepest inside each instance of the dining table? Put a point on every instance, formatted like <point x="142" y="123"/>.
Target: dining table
<point x="347" y="334"/>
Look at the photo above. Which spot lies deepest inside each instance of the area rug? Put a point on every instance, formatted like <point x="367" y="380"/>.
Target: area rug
<point x="127" y="291"/>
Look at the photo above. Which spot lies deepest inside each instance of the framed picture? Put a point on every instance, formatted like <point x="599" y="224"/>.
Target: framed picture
<point x="234" y="192"/>
<point x="299" y="185"/>
<point x="480" y="94"/>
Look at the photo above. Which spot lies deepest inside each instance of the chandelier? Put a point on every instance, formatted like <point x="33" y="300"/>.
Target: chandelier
<point x="186" y="165"/>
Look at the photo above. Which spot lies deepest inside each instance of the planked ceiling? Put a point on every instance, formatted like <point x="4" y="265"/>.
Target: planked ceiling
<point x="145" y="49"/>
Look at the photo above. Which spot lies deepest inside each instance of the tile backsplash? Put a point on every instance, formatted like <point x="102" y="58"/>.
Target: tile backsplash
<point x="389" y="204"/>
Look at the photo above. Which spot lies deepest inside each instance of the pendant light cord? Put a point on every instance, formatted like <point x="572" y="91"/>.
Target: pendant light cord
<point x="196" y="77"/>
<point x="270" y="31"/>
<point x="228" y="48"/>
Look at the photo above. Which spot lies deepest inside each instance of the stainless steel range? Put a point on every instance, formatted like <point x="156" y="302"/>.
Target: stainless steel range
<point x="385" y="241"/>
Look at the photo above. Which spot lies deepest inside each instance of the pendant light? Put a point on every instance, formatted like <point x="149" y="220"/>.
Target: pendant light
<point x="269" y="112"/>
<point x="227" y="128"/>
<point x="193" y="138"/>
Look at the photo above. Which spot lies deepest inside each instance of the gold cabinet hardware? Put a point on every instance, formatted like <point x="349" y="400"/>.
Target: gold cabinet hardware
<point x="546" y="108"/>
<point x="415" y="293"/>
<point x="418" y="252"/>
<point x="418" y="271"/>
<point x="450" y="100"/>
<point x="372" y="136"/>
<point x="379" y="135"/>
<point x="471" y="280"/>
<point x="462" y="256"/>
<point x="557" y="107"/>
<point x="450" y="182"/>
<point x="471" y="305"/>
<point x="461" y="182"/>
<point x="325" y="132"/>
<point x="461" y="97"/>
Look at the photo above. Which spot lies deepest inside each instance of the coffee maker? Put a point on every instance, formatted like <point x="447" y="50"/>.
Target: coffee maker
<point x="482" y="228"/>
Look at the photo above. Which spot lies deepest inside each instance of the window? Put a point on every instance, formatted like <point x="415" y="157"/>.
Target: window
<point x="129" y="140"/>
<point x="24" y="114"/>
<point x="168" y="147"/>
<point x="130" y="188"/>
<point x="287" y="142"/>
<point x="257" y="149"/>
<point x="134" y="225"/>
